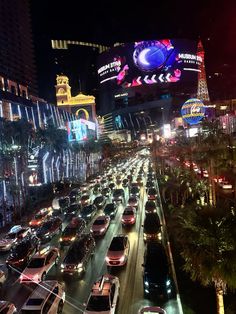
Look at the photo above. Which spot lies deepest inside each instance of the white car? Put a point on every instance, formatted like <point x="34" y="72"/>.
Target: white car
<point x="40" y="264"/>
<point x="100" y="225"/>
<point x="15" y="234"/>
<point x="104" y="296"/>
<point x="47" y="297"/>
<point x="225" y="185"/>
<point x="118" y="251"/>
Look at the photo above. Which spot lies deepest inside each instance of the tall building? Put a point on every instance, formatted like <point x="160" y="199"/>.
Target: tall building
<point x="17" y="66"/>
<point x="77" y="60"/>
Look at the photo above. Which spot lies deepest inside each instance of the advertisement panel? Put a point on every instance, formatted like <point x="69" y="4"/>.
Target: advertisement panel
<point x="77" y="131"/>
<point x="149" y="62"/>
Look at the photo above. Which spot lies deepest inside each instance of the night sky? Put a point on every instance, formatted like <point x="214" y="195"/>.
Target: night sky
<point x="108" y="22"/>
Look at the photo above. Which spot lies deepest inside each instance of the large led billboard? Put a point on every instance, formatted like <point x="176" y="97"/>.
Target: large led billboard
<point x="80" y="130"/>
<point x="149" y="62"/>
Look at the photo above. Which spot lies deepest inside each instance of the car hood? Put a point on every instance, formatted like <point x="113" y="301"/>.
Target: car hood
<point x="128" y="217"/>
<point x="115" y="254"/>
<point x="31" y="272"/>
<point x="98" y="227"/>
<point x="4" y="242"/>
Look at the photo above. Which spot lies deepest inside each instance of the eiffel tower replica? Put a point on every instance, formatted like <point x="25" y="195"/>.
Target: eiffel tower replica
<point x="202" y="91"/>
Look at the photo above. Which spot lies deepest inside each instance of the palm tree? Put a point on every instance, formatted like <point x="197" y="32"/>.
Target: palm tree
<point x="207" y="238"/>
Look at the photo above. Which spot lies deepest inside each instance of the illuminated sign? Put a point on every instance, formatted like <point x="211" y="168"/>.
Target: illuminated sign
<point x="193" y="111"/>
<point x="166" y="131"/>
<point x="149" y="62"/>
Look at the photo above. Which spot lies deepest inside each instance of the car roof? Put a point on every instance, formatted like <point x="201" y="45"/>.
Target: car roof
<point x="40" y="292"/>
<point x="44" y="252"/>
<point x="102" y="285"/>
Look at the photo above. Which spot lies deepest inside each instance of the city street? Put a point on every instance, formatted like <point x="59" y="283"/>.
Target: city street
<point x="130" y="276"/>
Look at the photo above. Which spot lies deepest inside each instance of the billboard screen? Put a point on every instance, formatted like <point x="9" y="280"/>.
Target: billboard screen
<point x="81" y="130"/>
<point x="149" y="62"/>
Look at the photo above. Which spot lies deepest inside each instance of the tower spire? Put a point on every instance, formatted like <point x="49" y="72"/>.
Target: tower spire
<point x="202" y="91"/>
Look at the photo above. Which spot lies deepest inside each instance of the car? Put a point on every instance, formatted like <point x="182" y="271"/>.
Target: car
<point x="125" y="183"/>
<point x="150" y="184"/>
<point x="225" y="185"/>
<point x="133" y="201"/>
<point x="100" y="225"/>
<point x="40" y="217"/>
<point x="129" y="216"/>
<point x="152" y="194"/>
<point x="99" y="201"/>
<point x="106" y="192"/>
<point x="152" y="227"/>
<point x="72" y="210"/>
<point x="72" y="231"/>
<point x="21" y="254"/>
<point x="40" y="264"/>
<point x="85" y="200"/>
<point x="15" y="234"/>
<point x="150" y="207"/>
<point x="112" y="186"/>
<point x="104" y="295"/>
<point x="47" y="297"/>
<point x="97" y="189"/>
<point x="64" y="202"/>
<point x="151" y="310"/>
<point x="75" y="195"/>
<point x="110" y="210"/>
<point x="134" y="191"/>
<point x="7" y="307"/>
<point x="140" y="180"/>
<point x="49" y="229"/>
<point x="84" y="187"/>
<point x="157" y="281"/>
<point x="78" y="255"/>
<point x="88" y="212"/>
<point x="118" y="195"/>
<point x="104" y="182"/>
<point x="118" y="251"/>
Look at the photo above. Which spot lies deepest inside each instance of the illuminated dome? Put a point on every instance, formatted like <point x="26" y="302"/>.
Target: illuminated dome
<point x="193" y="111"/>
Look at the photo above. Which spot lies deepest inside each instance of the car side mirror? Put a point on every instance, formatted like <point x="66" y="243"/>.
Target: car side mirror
<point x="142" y="265"/>
<point x="142" y="225"/>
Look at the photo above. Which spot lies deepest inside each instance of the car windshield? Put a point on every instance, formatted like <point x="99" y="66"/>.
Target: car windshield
<point x="36" y="263"/>
<point x="98" y="303"/>
<point x="109" y="207"/>
<point x="74" y="255"/>
<point x="117" y="244"/>
<point x="47" y="225"/>
<point x="39" y="216"/>
<point x="11" y="236"/>
<point x="69" y="232"/>
<point x="152" y="191"/>
<point x="128" y="212"/>
<point x="118" y="192"/>
<point x="98" y="199"/>
<point x="21" y="248"/>
<point x="99" y="222"/>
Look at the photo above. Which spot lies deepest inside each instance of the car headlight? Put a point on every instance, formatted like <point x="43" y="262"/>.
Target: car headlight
<point x="103" y="229"/>
<point x="146" y="283"/>
<point x="62" y="266"/>
<point x="72" y="239"/>
<point x="168" y="283"/>
<point x="60" y="239"/>
<point x="122" y="259"/>
<point x="107" y="259"/>
<point x="145" y="236"/>
<point x="159" y="236"/>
